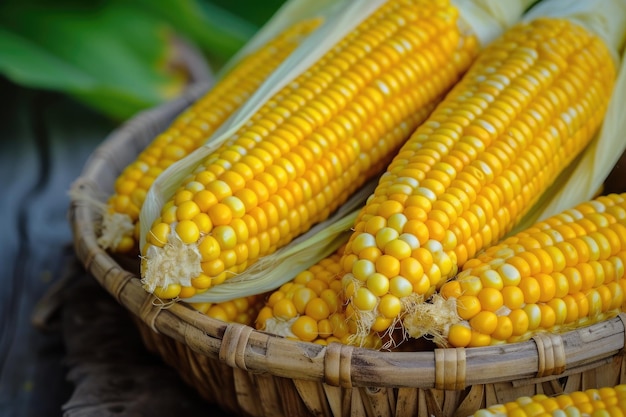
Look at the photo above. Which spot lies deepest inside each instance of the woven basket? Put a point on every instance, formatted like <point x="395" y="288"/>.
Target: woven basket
<point x="249" y="372"/>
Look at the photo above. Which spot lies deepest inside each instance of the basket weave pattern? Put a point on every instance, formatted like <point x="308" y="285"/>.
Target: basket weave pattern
<point x="249" y="372"/>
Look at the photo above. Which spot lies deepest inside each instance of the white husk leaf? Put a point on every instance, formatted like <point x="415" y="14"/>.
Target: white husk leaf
<point x="583" y="179"/>
<point x="488" y="19"/>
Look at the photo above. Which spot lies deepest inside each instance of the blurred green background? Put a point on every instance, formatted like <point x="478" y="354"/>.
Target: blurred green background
<point x="121" y="56"/>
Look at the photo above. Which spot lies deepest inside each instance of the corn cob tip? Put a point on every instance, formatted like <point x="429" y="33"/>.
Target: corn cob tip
<point x="115" y="226"/>
<point x="176" y="262"/>
<point x="432" y="320"/>
<point x="116" y="229"/>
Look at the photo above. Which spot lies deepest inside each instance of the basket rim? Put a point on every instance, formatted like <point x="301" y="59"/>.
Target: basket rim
<point x="543" y="357"/>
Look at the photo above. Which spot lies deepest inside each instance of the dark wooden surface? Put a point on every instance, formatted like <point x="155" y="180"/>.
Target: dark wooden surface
<point x="66" y="347"/>
<point x="42" y="150"/>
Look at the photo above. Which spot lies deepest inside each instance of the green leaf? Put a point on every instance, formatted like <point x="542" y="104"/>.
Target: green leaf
<point x="114" y="57"/>
<point x="117" y="56"/>
<point x="22" y="61"/>
<point x="217" y="31"/>
<point x="254" y="11"/>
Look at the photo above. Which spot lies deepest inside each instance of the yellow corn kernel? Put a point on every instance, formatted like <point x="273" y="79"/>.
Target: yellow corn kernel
<point x="478" y="164"/>
<point x="189" y="131"/>
<point x="323" y="135"/>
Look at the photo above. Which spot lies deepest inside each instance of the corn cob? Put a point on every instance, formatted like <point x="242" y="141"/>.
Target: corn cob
<point x="527" y="106"/>
<point x="564" y="272"/>
<point x="600" y="402"/>
<point x="308" y="148"/>
<point x="188" y="131"/>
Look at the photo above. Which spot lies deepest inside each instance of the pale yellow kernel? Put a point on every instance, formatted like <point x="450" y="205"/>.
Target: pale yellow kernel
<point x="182" y="196"/>
<point x="364" y="299"/>
<point x="363" y="241"/>
<point x="236" y="206"/>
<point x="398" y="249"/>
<point x="362" y="269"/>
<point x="410" y="239"/>
<point x="385" y="235"/>
<point x="534" y="316"/>
<point x="400" y="286"/>
<point x="301" y="297"/>
<point x="194" y="186"/>
<point x="397" y="221"/>
<point x="219" y="188"/>
<point x="491" y="279"/>
<point x="509" y="275"/>
<point x="592" y="245"/>
<point x="446" y="264"/>
<point x="470" y="285"/>
<point x="225" y="236"/>
<point x="378" y="284"/>
<point x="168" y="215"/>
